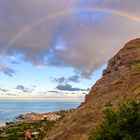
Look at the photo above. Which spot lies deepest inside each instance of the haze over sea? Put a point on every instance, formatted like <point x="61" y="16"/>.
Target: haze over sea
<point x="11" y="109"/>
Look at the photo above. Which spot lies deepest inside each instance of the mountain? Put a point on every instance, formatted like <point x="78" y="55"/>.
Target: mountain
<point x="120" y="80"/>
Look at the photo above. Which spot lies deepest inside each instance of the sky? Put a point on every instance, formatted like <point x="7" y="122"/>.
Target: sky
<point x="57" y="50"/>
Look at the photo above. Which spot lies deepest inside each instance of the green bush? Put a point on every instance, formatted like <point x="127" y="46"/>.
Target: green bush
<point x="122" y="123"/>
<point x="136" y="65"/>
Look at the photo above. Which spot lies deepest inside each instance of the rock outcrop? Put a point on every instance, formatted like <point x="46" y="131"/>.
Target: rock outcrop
<point x="119" y="74"/>
<point x="120" y="80"/>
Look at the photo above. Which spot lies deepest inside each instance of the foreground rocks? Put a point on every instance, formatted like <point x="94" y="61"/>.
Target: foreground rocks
<point x="121" y="80"/>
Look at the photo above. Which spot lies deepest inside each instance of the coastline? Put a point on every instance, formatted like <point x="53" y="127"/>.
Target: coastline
<point x="36" y="123"/>
<point x="32" y="125"/>
<point x="10" y="110"/>
<point x="33" y="116"/>
<point x="51" y="116"/>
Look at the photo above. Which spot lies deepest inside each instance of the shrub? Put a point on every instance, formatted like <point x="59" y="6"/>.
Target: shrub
<point x="122" y="123"/>
<point x="136" y="65"/>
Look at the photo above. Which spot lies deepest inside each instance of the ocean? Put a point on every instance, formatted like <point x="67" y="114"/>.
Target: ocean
<point x="10" y="110"/>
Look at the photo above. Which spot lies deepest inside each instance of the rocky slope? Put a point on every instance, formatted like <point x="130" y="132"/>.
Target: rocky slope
<point x="120" y="80"/>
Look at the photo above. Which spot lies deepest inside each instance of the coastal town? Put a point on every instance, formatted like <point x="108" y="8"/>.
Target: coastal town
<point x="31" y="125"/>
<point x="2" y="124"/>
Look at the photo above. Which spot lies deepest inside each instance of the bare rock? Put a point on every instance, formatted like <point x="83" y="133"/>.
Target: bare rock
<point x="120" y="80"/>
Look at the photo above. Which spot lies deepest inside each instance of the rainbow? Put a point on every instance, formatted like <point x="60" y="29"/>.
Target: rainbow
<point x="30" y="27"/>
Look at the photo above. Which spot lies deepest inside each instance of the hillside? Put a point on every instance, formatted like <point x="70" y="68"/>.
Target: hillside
<point x="120" y="80"/>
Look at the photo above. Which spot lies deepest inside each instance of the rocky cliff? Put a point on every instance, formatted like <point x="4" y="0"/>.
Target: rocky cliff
<point x="120" y="80"/>
<point x="121" y="72"/>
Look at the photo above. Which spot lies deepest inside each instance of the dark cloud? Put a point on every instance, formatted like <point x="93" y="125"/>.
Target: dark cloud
<point x="63" y="80"/>
<point x="6" y="70"/>
<point x="20" y="87"/>
<point x="68" y="87"/>
<point x="24" y="89"/>
<point x="3" y="90"/>
<point x="59" y="80"/>
<point x="74" y="78"/>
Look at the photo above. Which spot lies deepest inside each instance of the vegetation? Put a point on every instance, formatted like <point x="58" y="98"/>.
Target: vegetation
<point x="136" y="69"/>
<point x="33" y="130"/>
<point x="122" y="123"/>
<point x="136" y="65"/>
<point x="17" y="131"/>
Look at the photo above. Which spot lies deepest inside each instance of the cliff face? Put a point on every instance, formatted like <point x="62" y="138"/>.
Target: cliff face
<point x="120" y="80"/>
<point x="122" y="72"/>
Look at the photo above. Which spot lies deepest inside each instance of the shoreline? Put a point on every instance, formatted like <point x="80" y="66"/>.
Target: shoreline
<point x="10" y="115"/>
<point x="33" y="117"/>
<point x="32" y="125"/>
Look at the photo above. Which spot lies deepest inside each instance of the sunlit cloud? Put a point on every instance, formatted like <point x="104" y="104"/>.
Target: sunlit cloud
<point x="55" y="33"/>
<point x="81" y="35"/>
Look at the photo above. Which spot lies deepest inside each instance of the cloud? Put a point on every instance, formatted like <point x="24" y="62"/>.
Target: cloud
<point x="6" y="70"/>
<point x="33" y="86"/>
<point x="13" y="60"/>
<point x="74" y="78"/>
<point x="68" y="87"/>
<point x="24" y="89"/>
<point x="59" y="80"/>
<point x="53" y="91"/>
<point x="8" y="94"/>
<point x="63" y="80"/>
<point x="20" y="87"/>
<point x="3" y="90"/>
<point x="82" y="40"/>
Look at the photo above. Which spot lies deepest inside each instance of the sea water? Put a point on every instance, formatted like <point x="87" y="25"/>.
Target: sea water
<point x="10" y="110"/>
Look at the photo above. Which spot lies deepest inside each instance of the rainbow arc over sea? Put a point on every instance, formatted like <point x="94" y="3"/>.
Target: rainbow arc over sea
<point x="31" y="26"/>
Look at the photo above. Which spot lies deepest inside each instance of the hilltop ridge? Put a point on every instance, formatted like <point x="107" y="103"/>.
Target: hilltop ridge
<point x="121" y="79"/>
